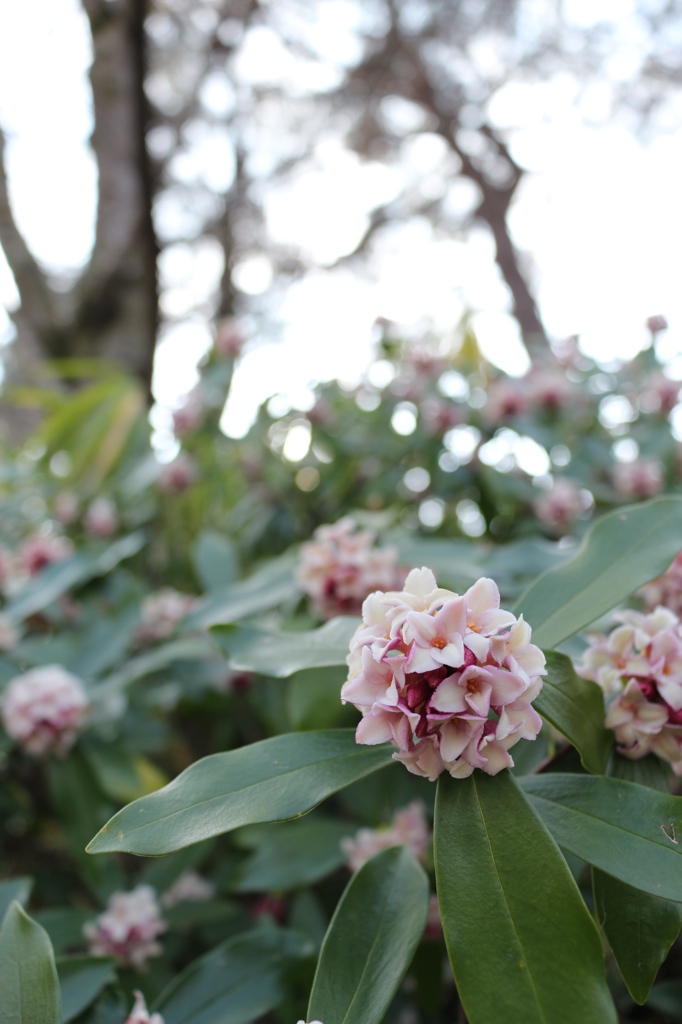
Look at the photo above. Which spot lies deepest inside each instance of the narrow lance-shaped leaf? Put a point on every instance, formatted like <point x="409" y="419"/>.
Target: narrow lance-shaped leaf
<point x="280" y="654"/>
<point x="81" y="979"/>
<point x="629" y="831"/>
<point x="521" y="942"/>
<point x="621" y="552"/>
<point x="29" y="988"/>
<point x="273" y="780"/>
<point x="640" y="928"/>
<point x="237" y="982"/>
<point x="371" y="940"/>
<point x="575" y="707"/>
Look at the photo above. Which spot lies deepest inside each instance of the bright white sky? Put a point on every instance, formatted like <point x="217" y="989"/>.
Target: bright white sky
<point x="600" y="216"/>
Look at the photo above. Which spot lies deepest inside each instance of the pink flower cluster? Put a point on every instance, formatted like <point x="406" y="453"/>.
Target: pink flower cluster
<point x="563" y="503"/>
<point x="140" y="1014"/>
<point x="128" y="928"/>
<point x="448" y="679"/>
<point x="44" y="710"/>
<point x="408" y="828"/>
<point x="161" y="613"/>
<point x="665" y="589"/>
<point x="639" y="668"/>
<point x="178" y="475"/>
<point x="101" y="518"/>
<point x="37" y="552"/>
<point x="341" y="565"/>
<point x="641" y="478"/>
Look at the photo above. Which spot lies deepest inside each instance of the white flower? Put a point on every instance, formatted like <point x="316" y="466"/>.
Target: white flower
<point x="408" y="828"/>
<point x="140" y="1014"/>
<point x="44" y="710"/>
<point x="128" y="928"/>
<point x="189" y="887"/>
<point x="161" y="612"/>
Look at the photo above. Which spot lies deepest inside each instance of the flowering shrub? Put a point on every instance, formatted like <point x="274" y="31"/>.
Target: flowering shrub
<point x="191" y="626"/>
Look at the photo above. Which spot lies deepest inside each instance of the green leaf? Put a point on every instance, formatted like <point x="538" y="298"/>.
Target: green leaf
<point x="371" y="940"/>
<point x="18" y="889"/>
<point x="237" y="982"/>
<point x="64" y="926"/>
<point x="273" y="780"/>
<point x="313" y="697"/>
<point x="629" y="831"/>
<point x="620" y="553"/>
<point x="56" y="579"/>
<point x="280" y="654"/>
<point x="575" y="707"/>
<point x="215" y="560"/>
<point x="82" y="978"/>
<point x="520" y="939"/>
<point x="28" y="977"/>
<point x="640" y="929"/>
<point x="186" y="649"/>
<point x="266" y="588"/>
<point x="293" y="854"/>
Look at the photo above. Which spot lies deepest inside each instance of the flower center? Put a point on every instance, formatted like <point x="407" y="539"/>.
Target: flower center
<point x="440" y="642"/>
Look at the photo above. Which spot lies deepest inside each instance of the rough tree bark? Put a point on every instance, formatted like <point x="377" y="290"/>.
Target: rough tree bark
<point x="112" y="311"/>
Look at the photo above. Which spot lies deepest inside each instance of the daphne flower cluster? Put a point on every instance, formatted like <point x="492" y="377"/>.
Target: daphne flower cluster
<point x="341" y="565"/>
<point x="101" y="518"/>
<point x="140" y="1014"/>
<point x="128" y="928"/>
<point x="44" y="710"/>
<point x="37" y="552"/>
<point x="642" y="478"/>
<point x="448" y="679"/>
<point x="665" y="589"/>
<point x="563" y="503"/>
<point x="408" y="828"/>
<point x="639" y="668"/>
<point x="161" y="613"/>
<point x="178" y="475"/>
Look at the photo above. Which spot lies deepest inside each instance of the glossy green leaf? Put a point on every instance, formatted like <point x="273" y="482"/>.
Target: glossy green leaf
<point x="629" y="831"/>
<point x="371" y="940"/>
<point x="64" y="926"/>
<point x="18" y="889"/>
<point x="521" y="942"/>
<point x="640" y="929"/>
<point x="266" y="588"/>
<point x="273" y="780"/>
<point x="29" y="988"/>
<point x="185" y="649"/>
<point x="59" y="577"/>
<point x="621" y="552"/>
<point x="293" y="854"/>
<point x="81" y="979"/>
<point x="313" y="698"/>
<point x="237" y="982"/>
<point x="575" y="707"/>
<point x="215" y="560"/>
<point x="280" y="654"/>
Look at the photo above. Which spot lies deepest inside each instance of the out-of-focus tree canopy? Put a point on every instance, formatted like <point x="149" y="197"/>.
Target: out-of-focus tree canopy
<point x="208" y="115"/>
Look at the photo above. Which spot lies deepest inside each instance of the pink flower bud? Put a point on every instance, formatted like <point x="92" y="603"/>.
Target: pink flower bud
<point x="128" y="928"/>
<point x="178" y="475"/>
<point x="655" y="324"/>
<point x="44" y="710"/>
<point x="506" y="398"/>
<point x="37" y="552"/>
<point x="101" y="518"/>
<point x="562" y="504"/>
<point x="161" y="613"/>
<point x="448" y="680"/>
<point x="642" y="478"/>
<point x="140" y="1014"/>
<point x="229" y="340"/>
